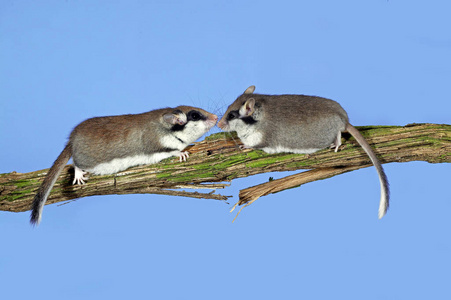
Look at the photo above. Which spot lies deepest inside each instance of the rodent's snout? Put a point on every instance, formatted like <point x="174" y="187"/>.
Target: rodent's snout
<point x="222" y="124"/>
<point x="211" y="120"/>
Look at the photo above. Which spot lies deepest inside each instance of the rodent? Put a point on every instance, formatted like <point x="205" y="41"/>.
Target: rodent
<point x="295" y="124"/>
<point x="107" y="145"/>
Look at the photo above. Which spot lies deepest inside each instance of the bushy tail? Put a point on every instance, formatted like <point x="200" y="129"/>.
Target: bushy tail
<point x="44" y="190"/>
<point x="385" y="191"/>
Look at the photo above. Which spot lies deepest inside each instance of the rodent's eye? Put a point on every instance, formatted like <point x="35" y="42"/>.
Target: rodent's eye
<point x="194" y="115"/>
<point x="232" y="115"/>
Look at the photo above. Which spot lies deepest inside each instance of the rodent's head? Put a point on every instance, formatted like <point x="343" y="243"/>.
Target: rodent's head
<point x="241" y="113"/>
<point x="189" y="123"/>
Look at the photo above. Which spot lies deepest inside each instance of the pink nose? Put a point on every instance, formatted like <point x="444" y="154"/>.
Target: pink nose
<point x="221" y="124"/>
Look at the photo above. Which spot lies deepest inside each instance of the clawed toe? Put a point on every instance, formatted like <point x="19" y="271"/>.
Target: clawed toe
<point x="183" y="156"/>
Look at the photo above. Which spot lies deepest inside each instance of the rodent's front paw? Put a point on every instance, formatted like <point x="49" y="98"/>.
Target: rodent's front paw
<point x="183" y="156"/>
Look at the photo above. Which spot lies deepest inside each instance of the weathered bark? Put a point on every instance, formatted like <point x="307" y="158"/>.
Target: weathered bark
<point x="218" y="159"/>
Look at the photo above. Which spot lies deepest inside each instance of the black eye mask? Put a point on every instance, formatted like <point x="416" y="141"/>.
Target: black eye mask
<point x="249" y="120"/>
<point x="195" y="115"/>
<point x="234" y="114"/>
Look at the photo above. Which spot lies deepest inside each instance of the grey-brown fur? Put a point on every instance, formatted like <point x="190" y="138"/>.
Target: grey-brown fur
<point x="103" y="139"/>
<point x="295" y="121"/>
<point x="296" y="124"/>
<point x="106" y="145"/>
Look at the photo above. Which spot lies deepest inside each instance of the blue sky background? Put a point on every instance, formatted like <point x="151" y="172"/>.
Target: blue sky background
<point x="386" y="62"/>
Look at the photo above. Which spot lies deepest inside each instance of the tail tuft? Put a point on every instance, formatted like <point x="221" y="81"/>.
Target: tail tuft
<point x="35" y="217"/>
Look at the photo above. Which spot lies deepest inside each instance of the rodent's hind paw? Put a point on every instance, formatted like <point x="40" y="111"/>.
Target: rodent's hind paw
<point x="337" y="142"/>
<point x="79" y="176"/>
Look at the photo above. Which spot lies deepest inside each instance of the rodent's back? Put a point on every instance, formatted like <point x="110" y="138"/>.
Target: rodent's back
<point x="102" y="139"/>
<point x="301" y="106"/>
<point x="299" y="121"/>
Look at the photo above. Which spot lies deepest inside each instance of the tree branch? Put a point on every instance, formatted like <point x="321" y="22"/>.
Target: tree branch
<point x="217" y="160"/>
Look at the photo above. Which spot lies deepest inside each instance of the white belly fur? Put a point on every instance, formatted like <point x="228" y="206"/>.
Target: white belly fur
<point x="250" y="138"/>
<point x="120" y="164"/>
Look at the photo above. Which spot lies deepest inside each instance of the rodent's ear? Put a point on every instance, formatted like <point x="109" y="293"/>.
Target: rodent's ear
<point x="247" y="108"/>
<point x="175" y="118"/>
<point x="250" y="90"/>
